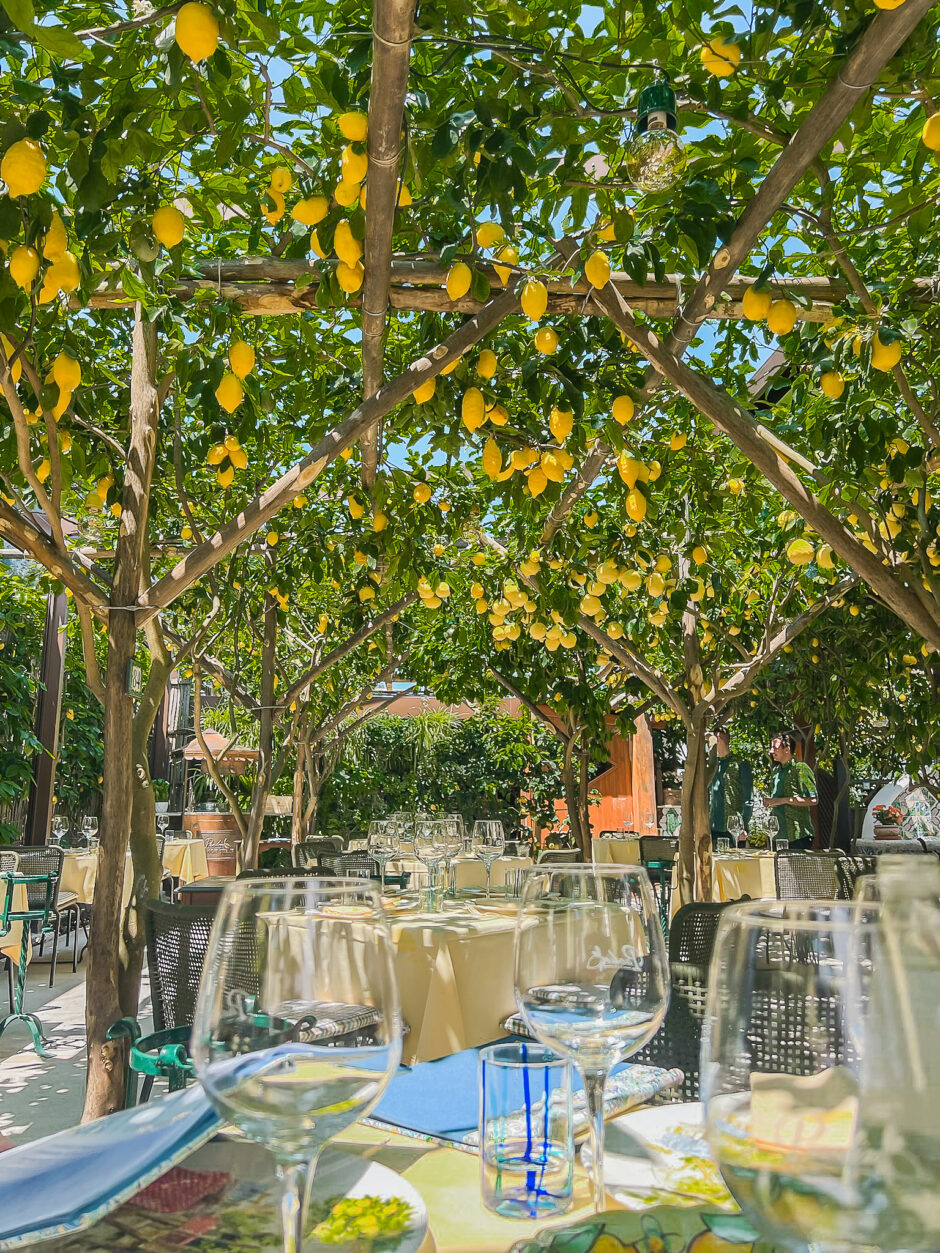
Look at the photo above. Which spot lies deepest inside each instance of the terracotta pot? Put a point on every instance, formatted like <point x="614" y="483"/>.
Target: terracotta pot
<point x="219" y="833"/>
<point x="886" y="832"/>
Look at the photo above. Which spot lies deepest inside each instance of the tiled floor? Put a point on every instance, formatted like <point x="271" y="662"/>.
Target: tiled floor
<point x="41" y="1095"/>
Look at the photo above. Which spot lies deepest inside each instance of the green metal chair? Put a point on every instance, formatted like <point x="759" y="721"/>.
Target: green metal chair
<point x="40" y="892"/>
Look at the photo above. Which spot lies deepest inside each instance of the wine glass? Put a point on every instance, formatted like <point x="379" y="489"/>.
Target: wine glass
<point x="383" y="843"/>
<point x="286" y="957"/>
<point x="163" y="821"/>
<point x="90" y="831"/>
<point x="735" y="828"/>
<point x="60" y="828"/>
<point x="430" y="847"/>
<point x="820" y="1071"/>
<point x="591" y="974"/>
<point x="452" y="834"/>
<point x="488" y="843"/>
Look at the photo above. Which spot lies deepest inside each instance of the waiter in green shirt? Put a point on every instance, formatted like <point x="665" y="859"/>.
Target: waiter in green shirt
<point x="732" y="788"/>
<point x="793" y="793"/>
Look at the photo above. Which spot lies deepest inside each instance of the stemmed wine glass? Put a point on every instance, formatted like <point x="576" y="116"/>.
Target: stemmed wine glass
<point x="285" y="956"/>
<point x="735" y="828"/>
<point x="591" y="974"/>
<point x="60" y="828"/>
<point x="430" y="848"/>
<point x="90" y="831"/>
<point x="820" y="1070"/>
<point x="383" y="843"/>
<point x="452" y="833"/>
<point x="488" y="844"/>
<point x="163" y="821"/>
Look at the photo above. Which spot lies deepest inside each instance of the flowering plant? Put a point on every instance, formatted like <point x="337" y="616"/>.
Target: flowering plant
<point x="888" y="815"/>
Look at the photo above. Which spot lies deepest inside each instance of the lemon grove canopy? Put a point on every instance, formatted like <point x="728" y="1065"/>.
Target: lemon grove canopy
<point x="453" y="316"/>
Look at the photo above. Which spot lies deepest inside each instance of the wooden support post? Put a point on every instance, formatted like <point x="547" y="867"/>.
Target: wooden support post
<point x="48" y="710"/>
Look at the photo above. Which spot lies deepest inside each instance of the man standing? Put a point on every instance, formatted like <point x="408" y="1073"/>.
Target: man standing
<point x="793" y="793"/>
<point x="732" y="788"/>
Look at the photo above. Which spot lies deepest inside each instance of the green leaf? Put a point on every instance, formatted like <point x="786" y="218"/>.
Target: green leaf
<point x="20" y="13"/>
<point x="60" y="42"/>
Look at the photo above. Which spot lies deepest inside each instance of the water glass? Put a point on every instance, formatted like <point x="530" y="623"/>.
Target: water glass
<point x="780" y="844"/>
<point x="820" y="1072"/>
<point x="383" y="843"/>
<point x="526" y="1131"/>
<point x="591" y="975"/>
<point x="297" y="1028"/>
<point x="722" y="844"/>
<point x="60" y="829"/>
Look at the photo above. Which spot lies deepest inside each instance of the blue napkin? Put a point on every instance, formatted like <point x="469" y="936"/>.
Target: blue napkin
<point x="68" y="1181"/>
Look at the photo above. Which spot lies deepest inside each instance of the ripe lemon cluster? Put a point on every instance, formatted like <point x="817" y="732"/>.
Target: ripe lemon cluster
<point x="66" y="373"/>
<point x="230" y="393"/>
<point x="273" y="202"/>
<point x="61" y="272"/>
<point x="432" y="595"/>
<point x="720" y="57"/>
<point x="632" y="472"/>
<point x="225" y="458"/>
<point x="780" y="314"/>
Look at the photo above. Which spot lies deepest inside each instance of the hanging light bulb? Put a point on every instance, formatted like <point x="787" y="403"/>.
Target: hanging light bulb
<point x="656" y="158"/>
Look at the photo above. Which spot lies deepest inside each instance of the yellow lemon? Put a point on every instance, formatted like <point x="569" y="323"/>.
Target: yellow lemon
<point x="43" y="470"/>
<point x="800" y="552"/>
<point x="930" y="135"/>
<point x="226" y="477"/>
<point x="534" y="299"/>
<point x="281" y="179"/>
<point x="239" y="458"/>
<point x="636" y="505"/>
<point x="492" y="459"/>
<point x="560" y="423"/>
<point x="699" y="555"/>
<point x="537" y="480"/>
<point x="354" y="127"/>
<point x="241" y="357"/>
<point x="24" y="266"/>
<point x="271" y="538"/>
<point x="509" y="256"/>
<point x="755" y="304"/>
<point x="424" y="391"/>
<point x="735" y="486"/>
<point x="168" y="224"/>
<point x="350" y="277"/>
<point x="277" y="199"/>
<point x="346" y="193"/>
<point x="597" y="269"/>
<point x="459" y="278"/>
<point x="353" y="165"/>
<point x="197" y="31"/>
<point x="677" y="441"/>
<point x="824" y="558"/>
<point x="478" y="559"/>
<point x="66" y="372"/>
<point x="231" y="442"/>
<point x="623" y="409"/>
<point x="720" y="58"/>
<point x="591" y="520"/>
<point x="831" y="384"/>
<point x="422" y="493"/>
<point x="56" y="240"/>
<point x="311" y="210"/>
<point x="546" y="340"/>
<point x="781" y="317"/>
<point x="473" y="409"/>
<point x="217" y="454"/>
<point x="498" y="415"/>
<point x="885" y="356"/>
<point x="486" y="364"/>
<point x="356" y="509"/>
<point x="345" y="244"/>
<point x="489" y="233"/>
<point x="23" y="167"/>
<point x="229" y="392"/>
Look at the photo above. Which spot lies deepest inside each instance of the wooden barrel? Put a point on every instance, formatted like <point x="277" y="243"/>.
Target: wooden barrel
<point x="219" y="833"/>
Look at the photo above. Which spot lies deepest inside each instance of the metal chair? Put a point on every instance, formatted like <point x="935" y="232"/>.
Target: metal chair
<point x="658" y="857"/>
<point x="37" y="861"/>
<point x="350" y="864"/>
<point x="849" y="870"/>
<point x="9" y="862"/>
<point x="40" y="892"/>
<point x="306" y="854"/>
<point x="559" y="856"/>
<point x="806" y="876"/>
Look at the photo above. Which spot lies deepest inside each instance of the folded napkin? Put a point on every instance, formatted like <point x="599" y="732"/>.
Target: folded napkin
<point x="69" y="1180"/>
<point x="441" y="1098"/>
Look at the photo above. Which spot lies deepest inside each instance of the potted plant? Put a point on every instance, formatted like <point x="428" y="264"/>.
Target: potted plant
<point x="888" y="819"/>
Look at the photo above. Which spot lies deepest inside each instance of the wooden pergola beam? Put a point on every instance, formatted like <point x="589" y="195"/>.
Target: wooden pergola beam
<point x="392" y="25"/>
<point x="853" y="79"/>
<point x="266" y="287"/>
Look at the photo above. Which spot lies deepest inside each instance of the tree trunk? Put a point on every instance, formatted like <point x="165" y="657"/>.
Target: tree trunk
<point x="297" y="797"/>
<point x="263" y="779"/>
<point x="104" y="1091"/>
<point x="695" y="838"/>
<point x="572" y="776"/>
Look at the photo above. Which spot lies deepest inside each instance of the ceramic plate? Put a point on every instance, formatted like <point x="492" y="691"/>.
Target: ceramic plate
<point x="659" y="1156"/>
<point x="663" y="1231"/>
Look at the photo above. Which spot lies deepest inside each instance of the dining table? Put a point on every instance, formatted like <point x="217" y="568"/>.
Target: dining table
<point x="607" y="851"/>
<point x="469" y="872"/>
<point x="183" y="859"/>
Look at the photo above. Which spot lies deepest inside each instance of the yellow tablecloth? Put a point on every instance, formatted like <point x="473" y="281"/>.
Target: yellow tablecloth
<point x="615" y="852"/>
<point x="744" y="874"/>
<point x="10" y="943"/>
<point x="185" y="860"/>
<point x="470" y="872"/>
<point x="80" y="870"/>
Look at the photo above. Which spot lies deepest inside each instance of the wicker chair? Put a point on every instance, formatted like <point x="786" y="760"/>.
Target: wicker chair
<point x="306" y="854"/>
<point x="806" y="876"/>
<point x="350" y="864"/>
<point x="46" y="859"/>
<point x="658" y="856"/>
<point x="850" y="869"/>
<point x="559" y="857"/>
<point x="177" y="944"/>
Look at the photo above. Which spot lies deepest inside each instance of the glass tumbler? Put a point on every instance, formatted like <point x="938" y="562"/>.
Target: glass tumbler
<point x="526" y="1131"/>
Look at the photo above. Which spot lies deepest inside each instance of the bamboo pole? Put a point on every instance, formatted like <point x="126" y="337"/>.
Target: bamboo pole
<point x="392" y="22"/>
